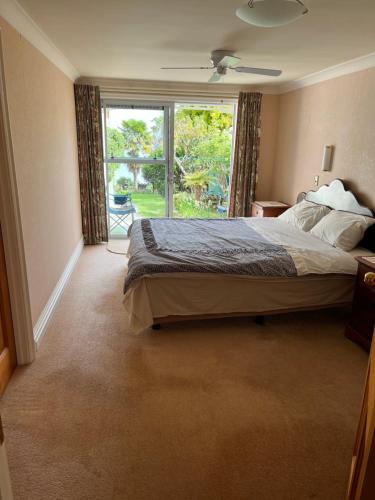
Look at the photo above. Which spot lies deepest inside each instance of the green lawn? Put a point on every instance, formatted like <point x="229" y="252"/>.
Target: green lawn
<point x="153" y="205"/>
<point x="149" y="204"/>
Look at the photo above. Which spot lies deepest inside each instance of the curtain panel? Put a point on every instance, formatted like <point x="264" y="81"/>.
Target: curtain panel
<point x="246" y="154"/>
<point x="90" y="160"/>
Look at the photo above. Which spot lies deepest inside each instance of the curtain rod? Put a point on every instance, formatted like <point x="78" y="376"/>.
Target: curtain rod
<point x="162" y="90"/>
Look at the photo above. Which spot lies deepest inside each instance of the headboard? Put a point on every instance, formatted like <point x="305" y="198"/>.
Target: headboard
<point x="334" y="195"/>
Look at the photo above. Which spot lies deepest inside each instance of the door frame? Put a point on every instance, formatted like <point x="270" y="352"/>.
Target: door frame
<point x="168" y="148"/>
<point x="10" y="220"/>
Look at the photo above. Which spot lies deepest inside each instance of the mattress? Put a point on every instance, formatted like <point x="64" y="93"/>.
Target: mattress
<point x="325" y="277"/>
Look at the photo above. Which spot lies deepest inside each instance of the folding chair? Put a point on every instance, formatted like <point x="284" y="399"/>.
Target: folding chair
<point x="121" y="211"/>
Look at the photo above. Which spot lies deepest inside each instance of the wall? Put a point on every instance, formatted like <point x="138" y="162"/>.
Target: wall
<point x="42" y="120"/>
<point x="267" y="147"/>
<point x="341" y="112"/>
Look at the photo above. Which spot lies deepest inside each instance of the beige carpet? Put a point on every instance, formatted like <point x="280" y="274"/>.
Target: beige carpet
<point x="220" y="410"/>
<point x="118" y="246"/>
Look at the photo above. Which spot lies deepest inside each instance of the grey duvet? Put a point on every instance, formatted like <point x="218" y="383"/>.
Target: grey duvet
<point x="222" y="246"/>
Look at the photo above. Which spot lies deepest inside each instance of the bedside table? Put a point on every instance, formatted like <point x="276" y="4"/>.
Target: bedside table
<point x="361" y="324"/>
<point x="268" y="208"/>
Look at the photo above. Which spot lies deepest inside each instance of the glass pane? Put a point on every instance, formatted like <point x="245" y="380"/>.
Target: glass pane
<point x="134" y="132"/>
<point x="203" y="144"/>
<point x="150" y="197"/>
<point x="134" y="191"/>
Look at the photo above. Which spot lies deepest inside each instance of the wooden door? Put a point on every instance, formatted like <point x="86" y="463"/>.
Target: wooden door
<point x="8" y="359"/>
<point x="362" y="475"/>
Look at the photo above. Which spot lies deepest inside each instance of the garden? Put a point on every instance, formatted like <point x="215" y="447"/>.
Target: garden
<point x="201" y="166"/>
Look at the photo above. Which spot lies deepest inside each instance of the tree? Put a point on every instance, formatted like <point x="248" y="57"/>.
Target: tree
<point x="155" y="174"/>
<point x="189" y="132"/>
<point x="115" y="149"/>
<point x="215" y="155"/>
<point x="197" y="181"/>
<point x="137" y="141"/>
<point x="157" y="135"/>
<point x="203" y="142"/>
<point x="212" y="117"/>
<point x="123" y="183"/>
<point x="115" y="143"/>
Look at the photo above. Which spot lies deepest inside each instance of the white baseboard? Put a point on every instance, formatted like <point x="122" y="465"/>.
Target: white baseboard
<point x="40" y="327"/>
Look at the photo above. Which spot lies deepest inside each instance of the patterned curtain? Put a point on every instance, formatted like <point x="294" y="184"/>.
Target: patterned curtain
<point x="90" y="159"/>
<point x="246" y="153"/>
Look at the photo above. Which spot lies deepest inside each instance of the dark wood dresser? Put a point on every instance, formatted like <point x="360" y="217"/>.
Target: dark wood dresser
<point x="361" y="324"/>
<point x="268" y="208"/>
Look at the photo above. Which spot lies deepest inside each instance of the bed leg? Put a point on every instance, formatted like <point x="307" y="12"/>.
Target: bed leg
<point x="156" y="326"/>
<point x="259" y="320"/>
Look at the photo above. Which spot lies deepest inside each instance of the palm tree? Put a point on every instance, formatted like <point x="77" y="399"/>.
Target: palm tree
<point x="137" y="143"/>
<point x="197" y="181"/>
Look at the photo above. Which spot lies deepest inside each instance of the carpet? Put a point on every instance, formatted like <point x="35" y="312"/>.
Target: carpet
<point x="217" y="410"/>
<point x="118" y="246"/>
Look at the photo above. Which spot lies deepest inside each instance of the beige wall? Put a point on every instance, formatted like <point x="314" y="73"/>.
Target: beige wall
<point x="267" y="148"/>
<point x="42" y="119"/>
<point x="339" y="112"/>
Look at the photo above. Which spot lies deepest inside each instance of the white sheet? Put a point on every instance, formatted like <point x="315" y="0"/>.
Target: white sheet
<point x="310" y="254"/>
<point x="361" y="252"/>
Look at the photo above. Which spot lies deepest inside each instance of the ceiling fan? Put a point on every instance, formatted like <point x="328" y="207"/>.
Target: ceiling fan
<point x="222" y="60"/>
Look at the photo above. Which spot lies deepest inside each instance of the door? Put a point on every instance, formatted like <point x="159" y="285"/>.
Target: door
<point x="203" y="137"/>
<point x="136" y="159"/>
<point x="5" y="484"/>
<point x="8" y="358"/>
<point x="362" y="474"/>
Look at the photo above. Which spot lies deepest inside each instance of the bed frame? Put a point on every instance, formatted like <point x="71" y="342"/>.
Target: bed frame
<point x="333" y="195"/>
<point x="258" y="318"/>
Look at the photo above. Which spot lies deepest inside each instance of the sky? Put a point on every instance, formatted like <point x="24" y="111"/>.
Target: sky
<point x="116" y="116"/>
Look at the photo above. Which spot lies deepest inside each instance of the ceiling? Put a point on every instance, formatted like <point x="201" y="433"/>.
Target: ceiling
<point x="133" y="38"/>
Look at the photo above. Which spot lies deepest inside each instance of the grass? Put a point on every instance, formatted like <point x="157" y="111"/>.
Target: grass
<point x="153" y="205"/>
<point x="149" y="204"/>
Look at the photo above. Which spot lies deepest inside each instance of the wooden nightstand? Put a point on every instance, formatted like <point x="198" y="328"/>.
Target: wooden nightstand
<point x="361" y="324"/>
<point x="267" y="208"/>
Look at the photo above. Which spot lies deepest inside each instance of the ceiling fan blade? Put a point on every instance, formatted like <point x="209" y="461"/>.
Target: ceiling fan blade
<point x="229" y="61"/>
<point x="258" y="71"/>
<point x="189" y="67"/>
<point x="215" y="77"/>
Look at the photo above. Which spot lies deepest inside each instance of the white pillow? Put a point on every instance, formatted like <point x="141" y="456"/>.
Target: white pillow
<point x="342" y="229"/>
<point x="304" y="214"/>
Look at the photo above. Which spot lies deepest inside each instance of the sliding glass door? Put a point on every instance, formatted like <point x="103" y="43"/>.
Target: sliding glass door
<point x="136" y="144"/>
<point x="165" y="159"/>
<point x="203" y="136"/>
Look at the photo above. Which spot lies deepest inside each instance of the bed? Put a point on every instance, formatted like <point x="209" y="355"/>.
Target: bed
<point x="196" y="269"/>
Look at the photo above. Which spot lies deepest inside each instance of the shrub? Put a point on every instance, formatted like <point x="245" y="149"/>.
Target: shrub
<point x="186" y="206"/>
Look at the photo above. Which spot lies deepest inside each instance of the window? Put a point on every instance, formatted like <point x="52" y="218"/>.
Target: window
<point x="170" y="159"/>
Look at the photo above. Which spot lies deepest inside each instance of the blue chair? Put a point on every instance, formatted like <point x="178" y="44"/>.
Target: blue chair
<point x="121" y="211"/>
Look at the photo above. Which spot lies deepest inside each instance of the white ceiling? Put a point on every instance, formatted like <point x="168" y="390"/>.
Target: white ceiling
<point x="134" y="38"/>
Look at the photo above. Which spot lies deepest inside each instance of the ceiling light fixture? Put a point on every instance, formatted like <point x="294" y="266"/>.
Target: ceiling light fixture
<point x="271" y="13"/>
